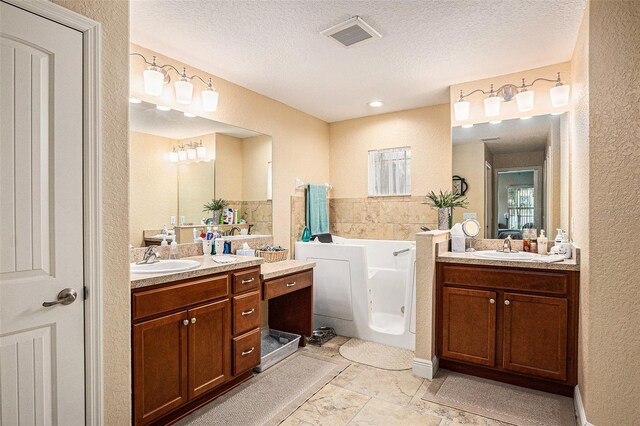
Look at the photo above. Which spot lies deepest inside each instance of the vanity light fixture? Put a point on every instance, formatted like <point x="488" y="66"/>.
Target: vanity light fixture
<point x="173" y="155"/>
<point x="192" y="153"/>
<point x="162" y="108"/>
<point x="190" y="115"/>
<point x="524" y="97"/>
<point x="201" y="150"/>
<point x="376" y="104"/>
<point x="156" y="76"/>
<point x="182" y="153"/>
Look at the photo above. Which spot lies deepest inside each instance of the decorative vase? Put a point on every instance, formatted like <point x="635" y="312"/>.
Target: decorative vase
<point x="216" y="216"/>
<point x="443" y="219"/>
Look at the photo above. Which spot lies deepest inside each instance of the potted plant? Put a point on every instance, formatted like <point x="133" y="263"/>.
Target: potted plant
<point x="216" y="206"/>
<point x="445" y="202"/>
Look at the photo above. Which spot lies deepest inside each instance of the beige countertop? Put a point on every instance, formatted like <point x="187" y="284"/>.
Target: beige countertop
<point x="470" y="258"/>
<point x="278" y="269"/>
<point x="207" y="267"/>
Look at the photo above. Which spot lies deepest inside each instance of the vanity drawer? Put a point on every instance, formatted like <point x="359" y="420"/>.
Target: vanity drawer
<point x="246" y="312"/>
<point x="246" y="280"/>
<point x="155" y="301"/>
<point x="506" y="279"/>
<point x="246" y="351"/>
<point x="284" y="285"/>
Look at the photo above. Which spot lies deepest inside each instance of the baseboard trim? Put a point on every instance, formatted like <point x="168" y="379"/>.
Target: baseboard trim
<point x="580" y="413"/>
<point x="425" y="368"/>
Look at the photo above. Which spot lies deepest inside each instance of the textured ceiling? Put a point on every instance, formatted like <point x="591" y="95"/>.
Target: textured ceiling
<point x="275" y="47"/>
<point x="145" y="118"/>
<point x="514" y="135"/>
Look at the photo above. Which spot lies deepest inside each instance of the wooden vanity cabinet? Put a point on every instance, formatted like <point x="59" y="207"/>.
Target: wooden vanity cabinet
<point x="182" y="338"/>
<point x="509" y="324"/>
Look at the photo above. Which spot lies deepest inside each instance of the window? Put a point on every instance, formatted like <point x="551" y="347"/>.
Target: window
<point x="521" y="207"/>
<point x="390" y="172"/>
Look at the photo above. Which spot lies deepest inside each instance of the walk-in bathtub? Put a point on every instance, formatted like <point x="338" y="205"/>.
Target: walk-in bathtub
<point x="362" y="289"/>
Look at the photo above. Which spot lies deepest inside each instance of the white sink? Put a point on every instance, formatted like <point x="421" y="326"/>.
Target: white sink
<point x="492" y="254"/>
<point x="165" y="266"/>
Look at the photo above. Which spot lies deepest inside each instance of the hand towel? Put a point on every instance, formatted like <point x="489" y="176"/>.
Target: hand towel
<point x="317" y="214"/>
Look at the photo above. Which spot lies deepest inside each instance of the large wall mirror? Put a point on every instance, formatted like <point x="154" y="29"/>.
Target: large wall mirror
<point x="517" y="175"/>
<point x="169" y="188"/>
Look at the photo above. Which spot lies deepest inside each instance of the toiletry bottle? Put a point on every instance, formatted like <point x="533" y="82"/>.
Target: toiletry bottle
<point x="526" y="242"/>
<point x="533" y="238"/>
<point x="164" y="241"/>
<point x="195" y="235"/>
<point x="542" y="243"/>
<point x="216" y="235"/>
<point x="173" y="251"/>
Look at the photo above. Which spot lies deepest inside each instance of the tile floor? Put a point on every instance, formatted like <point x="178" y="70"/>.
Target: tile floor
<point x="363" y="395"/>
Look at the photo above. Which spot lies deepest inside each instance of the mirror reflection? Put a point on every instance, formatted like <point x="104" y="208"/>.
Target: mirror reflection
<point x="180" y="163"/>
<point x="516" y="175"/>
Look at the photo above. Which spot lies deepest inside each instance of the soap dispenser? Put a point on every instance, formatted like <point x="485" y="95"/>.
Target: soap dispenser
<point x="542" y="243"/>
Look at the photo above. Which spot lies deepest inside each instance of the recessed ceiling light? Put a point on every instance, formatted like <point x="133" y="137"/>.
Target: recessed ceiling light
<point x="525" y="118"/>
<point x="466" y="126"/>
<point x="496" y="122"/>
<point x="188" y="114"/>
<point x="163" y="108"/>
<point x="134" y="100"/>
<point x="376" y="104"/>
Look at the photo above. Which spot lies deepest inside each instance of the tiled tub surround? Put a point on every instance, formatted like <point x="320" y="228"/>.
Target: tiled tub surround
<point x="257" y="213"/>
<point x="380" y="218"/>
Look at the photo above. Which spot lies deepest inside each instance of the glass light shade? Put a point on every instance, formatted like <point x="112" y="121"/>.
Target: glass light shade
<point x="209" y="100"/>
<point x="189" y="114"/>
<point x="492" y="106"/>
<point x="461" y="110"/>
<point x="202" y="151"/>
<point x="162" y="108"/>
<point x="524" y="100"/>
<point x="182" y="155"/>
<point x="559" y="95"/>
<point x="153" y="81"/>
<point x="173" y="156"/>
<point x="184" y="92"/>
<point x="191" y="153"/>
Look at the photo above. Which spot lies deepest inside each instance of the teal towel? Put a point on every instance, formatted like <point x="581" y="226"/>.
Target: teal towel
<point x="317" y="214"/>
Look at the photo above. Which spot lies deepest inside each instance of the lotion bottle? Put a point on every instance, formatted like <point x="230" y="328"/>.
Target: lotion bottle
<point x="542" y="243"/>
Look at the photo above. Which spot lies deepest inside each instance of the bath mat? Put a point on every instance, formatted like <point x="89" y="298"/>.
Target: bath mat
<point x="270" y="397"/>
<point x="377" y="355"/>
<point x="500" y="401"/>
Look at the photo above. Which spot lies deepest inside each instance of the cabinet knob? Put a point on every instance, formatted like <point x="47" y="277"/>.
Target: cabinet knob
<point x="506" y="302"/>
<point x="193" y="320"/>
<point x="185" y="322"/>
<point x="492" y="301"/>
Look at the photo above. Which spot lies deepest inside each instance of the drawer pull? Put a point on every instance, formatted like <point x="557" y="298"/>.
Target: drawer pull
<point x="185" y="322"/>
<point x="249" y="312"/>
<point x="291" y="284"/>
<point x="193" y="320"/>
<point x="245" y="353"/>
<point x="506" y="302"/>
<point x="248" y="281"/>
<point x="492" y="301"/>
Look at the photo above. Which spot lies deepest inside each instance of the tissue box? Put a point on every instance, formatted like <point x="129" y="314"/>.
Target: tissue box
<point x="246" y="252"/>
<point x="457" y="244"/>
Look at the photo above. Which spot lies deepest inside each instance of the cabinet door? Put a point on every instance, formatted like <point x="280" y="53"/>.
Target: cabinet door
<point x="159" y="366"/>
<point x="469" y="325"/>
<point x="535" y="335"/>
<point x="209" y="346"/>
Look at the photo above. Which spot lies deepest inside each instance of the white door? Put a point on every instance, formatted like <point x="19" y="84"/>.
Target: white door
<point x="41" y="223"/>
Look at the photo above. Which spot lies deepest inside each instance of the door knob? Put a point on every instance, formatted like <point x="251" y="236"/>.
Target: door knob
<point x="65" y="297"/>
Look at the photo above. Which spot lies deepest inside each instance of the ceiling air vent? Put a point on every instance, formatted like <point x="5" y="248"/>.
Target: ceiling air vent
<point x="351" y="32"/>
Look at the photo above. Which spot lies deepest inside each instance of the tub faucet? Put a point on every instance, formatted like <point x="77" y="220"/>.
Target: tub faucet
<point x="506" y="244"/>
<point x="150" y="256"/>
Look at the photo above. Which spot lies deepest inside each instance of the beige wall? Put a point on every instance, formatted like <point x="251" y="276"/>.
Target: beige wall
<point x="468" y="162"/>
<point x="606" y="183"/>
<point x="428" y="132"/>
<point x="153" y="196"/>
<point x="300" y="141"/>
<point x="508" y="110"/>
<point x="195" y="182"/>
<point x="256" y="154"/>
<point x="114" y="17"/>
<point x="229" y="167"/>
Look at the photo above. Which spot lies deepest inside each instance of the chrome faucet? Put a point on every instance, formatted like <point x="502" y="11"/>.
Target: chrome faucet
<point x="506" y="245"/>
<point x="150" y="256"/>
<point x="233" y="230"/>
